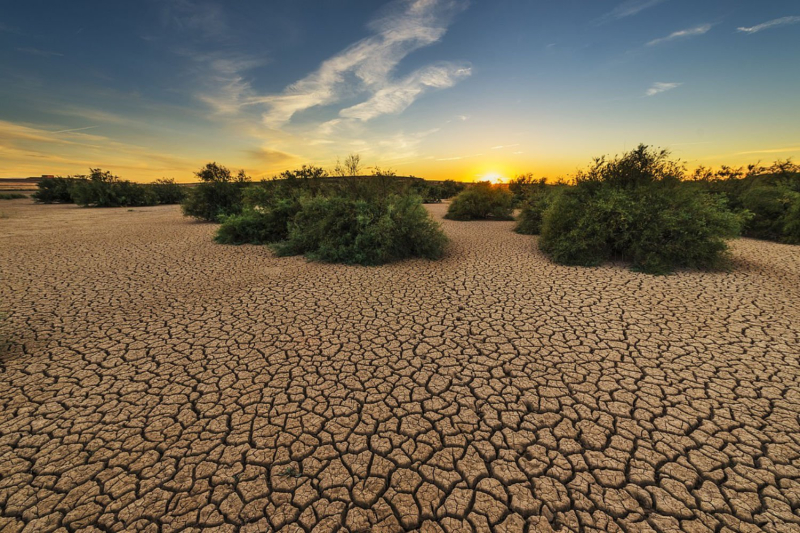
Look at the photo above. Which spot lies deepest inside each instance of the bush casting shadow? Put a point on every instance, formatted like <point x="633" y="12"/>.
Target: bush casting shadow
<point x="341" y="229"/>
<point x="633" y="208"/>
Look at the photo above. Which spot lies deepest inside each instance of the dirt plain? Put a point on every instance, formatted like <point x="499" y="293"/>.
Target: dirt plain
<point x="161" y="382"/>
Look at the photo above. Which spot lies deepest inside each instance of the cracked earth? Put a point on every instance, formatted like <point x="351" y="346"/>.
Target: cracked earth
<point x="161" y="382"/>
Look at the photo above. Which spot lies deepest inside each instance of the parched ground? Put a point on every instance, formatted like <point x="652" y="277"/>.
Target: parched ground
<point x="160" y="382"/>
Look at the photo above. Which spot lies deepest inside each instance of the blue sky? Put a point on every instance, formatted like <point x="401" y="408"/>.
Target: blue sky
<point x="435" y="88"/>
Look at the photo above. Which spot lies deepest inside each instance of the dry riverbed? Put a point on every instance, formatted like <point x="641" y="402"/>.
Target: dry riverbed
<point x="161" y="382"/>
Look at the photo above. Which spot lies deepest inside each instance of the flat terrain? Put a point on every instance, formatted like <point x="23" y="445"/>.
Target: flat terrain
<point x="161" y="382"/>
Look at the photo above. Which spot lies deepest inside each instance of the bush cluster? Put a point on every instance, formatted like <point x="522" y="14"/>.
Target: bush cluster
<point x="435" y="192"/>
<point x="12" y="196"/>
<point x="101" y="188"/>
<point x="523" y="185"/>
<point x="635" y="209"/>
<point x="482" y="201"/>
<point x="259" y="224"/>
<point x="54" y="190"/>
<point x="166" y="191"/>
<point x="769" y="195"/>
<point x="537" y="198"/>
<point x="345" y="229"/>
<point x="218" y="195"/>
<point x="367" y="221"/>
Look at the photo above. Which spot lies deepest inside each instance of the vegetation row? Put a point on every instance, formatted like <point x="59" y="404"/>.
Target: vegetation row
<point x="643" y="208"/>
<point x="367" y="220"/>
<point x="103" y="189"/>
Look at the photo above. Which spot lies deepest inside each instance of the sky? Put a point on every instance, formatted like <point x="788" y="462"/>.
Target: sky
<point x="441" y="89"/>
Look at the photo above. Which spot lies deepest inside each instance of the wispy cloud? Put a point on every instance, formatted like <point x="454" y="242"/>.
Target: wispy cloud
<point x="627" y="9"/>
<point x="784" y="21"/>
<point x="690" y="32"/>
<point x="270" y="156"/>
<point x="225" y="88"/>
<point x="458" y="157"/>
<point x="89" y="114"/>
<point x="367" y="65"/>
<point x="40" y="53"/>
<point x="771" y="151"/>
<point x="661" y="87"/>
<point x="462" y="118"/>
<point x="501" y="146"/>
<point x="76" y="129"/>
<point x="397" y="96"/>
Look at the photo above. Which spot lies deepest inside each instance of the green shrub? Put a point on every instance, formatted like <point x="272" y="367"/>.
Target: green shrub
<point x="103" y="189"/>
<point x="430" y="193"/>
<point x="166" y="191"/>
<point x="576" y="230"/>
<point x="451" y="188"/>
<point x="218" y="195"/>
<point x="348" y="230"/>
<point x="769" y="207"/>
<point x="435" y="192"/>
<point x="767" y="193"/>
<point x="54" y="190"/>
<point x="12" y="196"/>
<point x="529" y="220"/>
<point x="258" y="225"/>
<point x="482" y="201"/>
<point x="635" y="209"/>
<point x="678" y="228"/>
<point x="524" y="185"/>
<point x="791" y="220"/>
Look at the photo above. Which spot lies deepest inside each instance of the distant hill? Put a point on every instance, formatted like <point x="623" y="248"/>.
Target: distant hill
<point x="26" y="180"/>
<point x="19" y="184"/>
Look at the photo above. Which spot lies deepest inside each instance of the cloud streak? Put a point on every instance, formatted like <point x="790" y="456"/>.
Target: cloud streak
<point x="367" y="65"/>
<point x="784" y="21"/>
<point x="661" y="87"/>
<point x="771" y="151"/>
<point x="627" y="9"/>
<point x="76" y="129"/>
<point x="690" y="32"/>
<point x="396" y="97"/>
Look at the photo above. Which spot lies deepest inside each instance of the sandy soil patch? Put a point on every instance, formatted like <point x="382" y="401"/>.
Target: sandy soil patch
<point x="161" y="382"/>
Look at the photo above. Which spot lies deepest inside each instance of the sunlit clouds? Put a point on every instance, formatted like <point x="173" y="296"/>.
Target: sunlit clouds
<point x="682" y="34"/>
<point x="661" y="87"/>
<point x="627" y="9"/>
<point x="783" y="21"/>
<point x="367" y="67"/>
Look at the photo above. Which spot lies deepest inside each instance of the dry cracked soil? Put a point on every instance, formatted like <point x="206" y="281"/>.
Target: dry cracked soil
<point x="160" y="382"/>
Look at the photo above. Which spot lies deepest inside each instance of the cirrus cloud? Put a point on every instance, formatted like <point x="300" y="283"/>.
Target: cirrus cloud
<point x="367" y="65"/>
<point x="661" y="87"/>
<point x="690" y="32"/>
<point x="784" y="21"/>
